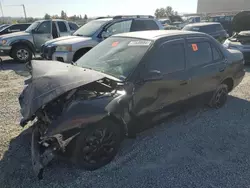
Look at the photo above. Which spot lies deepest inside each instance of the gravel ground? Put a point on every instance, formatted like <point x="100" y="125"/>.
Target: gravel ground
<point x="202" y="148"/>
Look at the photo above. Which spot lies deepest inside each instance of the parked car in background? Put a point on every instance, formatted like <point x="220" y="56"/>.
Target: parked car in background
<point x="120" y="88"/>
<point x="14" y="28"/>
<point x="212" y="28"/>
<point x="241" y="38"/>
<point x="3" y="26"/>
<point x="225" y="21"/>
<point x="68" y="49"/>
<point x="23" y="45"/>
<point x="170" y="27"/>
<point x="165" y="21"/>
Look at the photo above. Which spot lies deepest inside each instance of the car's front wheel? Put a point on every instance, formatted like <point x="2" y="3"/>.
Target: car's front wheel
<point x="219" y="97"/>
<point x="97" y="145"/>
<point x="22" y="53"/>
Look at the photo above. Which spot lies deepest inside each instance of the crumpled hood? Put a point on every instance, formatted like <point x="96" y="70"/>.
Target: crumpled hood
<point x="51" y="79"/>
<point x="241" y="22"/>
<point x="67" y="40"/>
<point x="15" y="34"/>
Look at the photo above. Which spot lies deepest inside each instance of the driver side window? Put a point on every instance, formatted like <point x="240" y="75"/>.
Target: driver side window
<point x="119" y="27"/>
<point x="44" y="27"/>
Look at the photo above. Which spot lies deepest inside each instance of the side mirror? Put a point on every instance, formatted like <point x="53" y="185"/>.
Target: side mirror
<point x="105" y="34"/>
<point x="153" y="75"/>
<point x="33" y="31"/>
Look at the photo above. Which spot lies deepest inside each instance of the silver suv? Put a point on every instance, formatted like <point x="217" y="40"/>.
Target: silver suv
<point x="70" y="49"/>
<point x="23" y="45"/>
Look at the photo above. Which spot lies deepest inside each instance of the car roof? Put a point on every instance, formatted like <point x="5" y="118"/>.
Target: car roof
<point x="103" y="19"/>
<point x="204" y="24"/>
<point x="156" y="34"/>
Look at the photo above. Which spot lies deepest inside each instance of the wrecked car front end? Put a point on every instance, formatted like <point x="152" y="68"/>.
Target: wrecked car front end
<point x="61" y="101"/>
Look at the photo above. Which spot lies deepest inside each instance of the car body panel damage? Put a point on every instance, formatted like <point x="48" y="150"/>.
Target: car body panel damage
<point x="119" y="88"/>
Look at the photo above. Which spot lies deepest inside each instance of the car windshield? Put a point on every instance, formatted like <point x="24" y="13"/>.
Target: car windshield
<point x="32" y="26"/>
<point x="115" y="56"/>
<point x="90" y="28"/>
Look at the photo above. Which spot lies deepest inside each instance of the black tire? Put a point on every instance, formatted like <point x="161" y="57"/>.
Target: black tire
<point x="90" y="152"/>
<point x="22" y="53"/>
<point x="219" y="97"/>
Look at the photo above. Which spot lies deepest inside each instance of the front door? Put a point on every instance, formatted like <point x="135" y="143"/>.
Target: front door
<point x="207" y="65"/>
<point x="42" y="34"/>
<point x="171" y="89"/>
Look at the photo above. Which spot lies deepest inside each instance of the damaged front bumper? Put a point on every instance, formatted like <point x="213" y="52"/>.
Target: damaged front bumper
<point x="39" y="161"/>
<point x="44" y="149"/>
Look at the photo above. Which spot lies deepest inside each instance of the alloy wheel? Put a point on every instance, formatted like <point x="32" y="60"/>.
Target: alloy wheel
<point x="99" y="146"/>
<point x="22" y="54"/>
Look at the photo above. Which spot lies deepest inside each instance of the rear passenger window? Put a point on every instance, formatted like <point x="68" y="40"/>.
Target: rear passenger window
<point x="199" y="53"/>
<point x="141" y="25"/>
<point x="73" y="26"/>
<point x="169" y="58"/>
<point x="62" y="26"/>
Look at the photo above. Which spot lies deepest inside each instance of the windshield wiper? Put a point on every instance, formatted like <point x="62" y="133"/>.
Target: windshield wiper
<point x="79" y="35"/>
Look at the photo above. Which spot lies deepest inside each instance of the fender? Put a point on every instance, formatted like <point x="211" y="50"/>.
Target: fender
<point x="26" y="42"/>
<point x="81" y="113"/>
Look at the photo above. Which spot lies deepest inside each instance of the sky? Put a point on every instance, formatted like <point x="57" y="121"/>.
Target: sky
<point x="38" y="8"/>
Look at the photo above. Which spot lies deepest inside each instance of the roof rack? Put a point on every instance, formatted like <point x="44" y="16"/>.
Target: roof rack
<point x="132" y="16"/>
<point x="103" y="17"/>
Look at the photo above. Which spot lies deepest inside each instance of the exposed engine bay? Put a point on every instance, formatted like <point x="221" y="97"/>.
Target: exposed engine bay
<point x="45" y="148"/>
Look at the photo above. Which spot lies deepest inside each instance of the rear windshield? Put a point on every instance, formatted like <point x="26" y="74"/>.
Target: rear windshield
<point x="115" y="56"/>
<point x="204" y="29"/>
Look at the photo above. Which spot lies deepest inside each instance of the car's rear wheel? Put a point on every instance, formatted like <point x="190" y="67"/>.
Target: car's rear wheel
<point x="97" y="145"/>
<point x="219" y="97"/>
<point x="22" y="53"/>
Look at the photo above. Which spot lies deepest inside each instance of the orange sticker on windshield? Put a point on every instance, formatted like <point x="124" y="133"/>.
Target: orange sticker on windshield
<point x="114" y="44"/>
<point x="195" y="47"/>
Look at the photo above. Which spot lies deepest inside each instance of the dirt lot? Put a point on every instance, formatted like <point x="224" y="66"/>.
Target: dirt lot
<point x="202" y="148"/>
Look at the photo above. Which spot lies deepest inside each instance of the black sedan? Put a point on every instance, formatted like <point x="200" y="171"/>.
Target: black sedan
<point x="14" y="28"/>
<point x="119" y="88"/>
<point x="215" y="29"/>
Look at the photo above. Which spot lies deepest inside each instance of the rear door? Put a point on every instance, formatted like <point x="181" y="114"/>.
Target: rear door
<point x="63" y="29"/>
<point x="206" y="64"/>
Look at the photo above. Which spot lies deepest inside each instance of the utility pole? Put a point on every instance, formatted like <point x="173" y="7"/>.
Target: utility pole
<point x="2" y="11"/>
<point x="24" y="12"/>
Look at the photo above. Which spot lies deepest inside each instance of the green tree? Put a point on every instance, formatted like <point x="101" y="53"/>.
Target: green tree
<point x="63" y="15"/>
<point x="165" y="12"/>
<point x="85" y="17"/>
<point x="47" y="16"/>
<point x="169" y="11"/>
